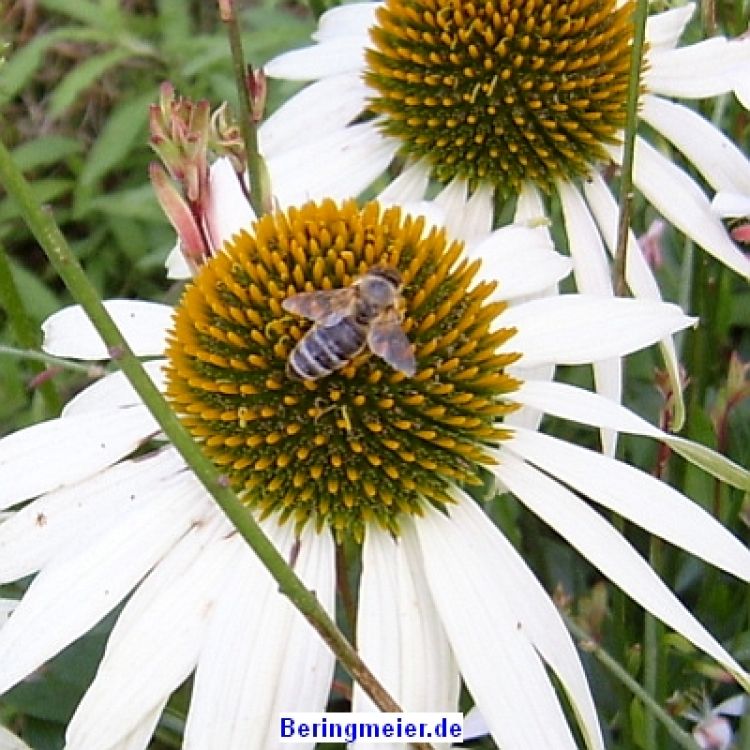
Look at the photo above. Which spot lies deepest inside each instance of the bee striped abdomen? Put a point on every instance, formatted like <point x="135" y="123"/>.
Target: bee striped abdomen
<point x="324" y="350"/>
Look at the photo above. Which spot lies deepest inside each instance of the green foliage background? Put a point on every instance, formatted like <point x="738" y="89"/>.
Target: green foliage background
<point x="74" y="94"/>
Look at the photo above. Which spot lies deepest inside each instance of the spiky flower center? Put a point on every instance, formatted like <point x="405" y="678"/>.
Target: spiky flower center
<point x="502" y="91"/>
<point x="364" y="443"/>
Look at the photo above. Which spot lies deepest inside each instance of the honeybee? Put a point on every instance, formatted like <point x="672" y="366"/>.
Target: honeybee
<point x="347" y="319"/>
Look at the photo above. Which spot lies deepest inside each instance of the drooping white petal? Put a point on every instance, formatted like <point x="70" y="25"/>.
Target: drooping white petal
<point x="607" y="549"/>
<point x="499" y="664"/>
<point x="399" y="634"/>
<point x="261" y="657"/>
<point x="9" y="741"/>
<point x="520" y="260"/>
<point x="452" y="201"/>
<point x="326" y="105"/>
<point x="354" y="157"/>
<point x="82" y="584"/>
<point x="155" y="643"/>
<point x="699" y="70"/>
<point x="731" y="205"/>
<point x="583" y="406"/>
<point x="578" y="329"/>
<point x="140" y="737"/>
<point x="715" y="156"/>
<point x="592" y="275"/>
<point x="639" y="497"/>
<point x="228" y="210"/>
<point x="176" y="265"/>
<point x="676" y="196"/>
<point x="638" y="275"/>
<point x="62" y="451"/>
<point x="410" y="185"/>
<point x="69" y="332"/>
<point x="663" y="30"/>
<point x="346" y="20"/>
<point x="79" y="514"/>
<point x="341" y="54"/>
<point x="114" y="391"/>
<point x="6" y="608"/>
<point x="532" y="605"/>
<point x="530" y="212"/>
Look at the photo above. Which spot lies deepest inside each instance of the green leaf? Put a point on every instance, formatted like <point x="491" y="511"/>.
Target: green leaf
<point x="48" y="149"/>
<point x="94" y="14"/>
<point x="136" y="203"/>
<point x="24" y="61"/>
<point x="81" y="77"/>
<point x="45" y="191"/>
<point x="125" y="127"/>
<point x="40" y="301"/>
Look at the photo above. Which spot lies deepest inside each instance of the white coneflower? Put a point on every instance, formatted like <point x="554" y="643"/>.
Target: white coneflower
<point x="364" y="455"/>
<point x="519" y="100"/>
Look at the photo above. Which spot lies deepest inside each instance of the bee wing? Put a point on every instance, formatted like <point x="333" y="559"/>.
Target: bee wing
<point x="326" y="307"/>
<point x="387" y="339"/>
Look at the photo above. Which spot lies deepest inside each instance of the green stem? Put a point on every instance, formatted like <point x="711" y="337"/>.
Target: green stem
<point x="675" y="731"/>
<point x="259" y="199"/>
<point x="24" y="331"/>
<point x="631" y="125"/>
<point x="91" y="370"/>
<point x="651" y="653"/>
<point x="47" y="233"/>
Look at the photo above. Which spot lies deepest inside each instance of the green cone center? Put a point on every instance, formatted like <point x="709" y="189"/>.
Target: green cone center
<point x="365" y="443"/>
<point x="503" y="91"/>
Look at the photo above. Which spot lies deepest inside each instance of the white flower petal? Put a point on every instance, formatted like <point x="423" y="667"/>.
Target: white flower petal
<point x="731" y="205"/>
<point x="533" y="607"/>
<point x="156" y="640"/>
<point x="140" y="737"/>
<point x="79" y="514"/>
<point x="399" y="634"/>
<point x="715" y="156"/>
<point x="82" y="584"/>
<point x="452" y="200"/>
<point x="699" y="70"/>
<point x="498" y="662"/>
<point x="341" y="54"/>
<point x="638" y="275"/>
<point x="228" y="210"/>
<point x="530" y="211"/>
<point x="592" y="275"/>
<point x="676" y="196"/>
<point x="639" y="497"/>
<point x="520" y="260"/>
<point x="62" y="451"/>
<point x="663" y="30"/>
<point x="260" y="656"/>
<point x="9" y="741"/>
<point x="410" y="185"/>
<point x="577" y="329"/>
<point x="346" y="20"/>
<point x="69" y="332"/>
<point x="583" y="406"/>
<point x="607" y="549"/>
<point x="176" y="265"/>
<point x="329" y="104"/>
<point x="114" y="391"/>
<point x="354" y="158"/>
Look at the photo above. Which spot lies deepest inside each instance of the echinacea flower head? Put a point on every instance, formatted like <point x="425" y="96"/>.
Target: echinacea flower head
<point x="501" y="101"/>
<point x="366" y="454"/>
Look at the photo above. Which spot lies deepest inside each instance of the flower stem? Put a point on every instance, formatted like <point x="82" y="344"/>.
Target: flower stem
<point x="23" y="329"/>
<point x="91" y="370"/>
<point x="259" y="199"/>
<point x="47" y="233"/>
<point x="631" y="125"/>
<point x="675" y="731"/>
